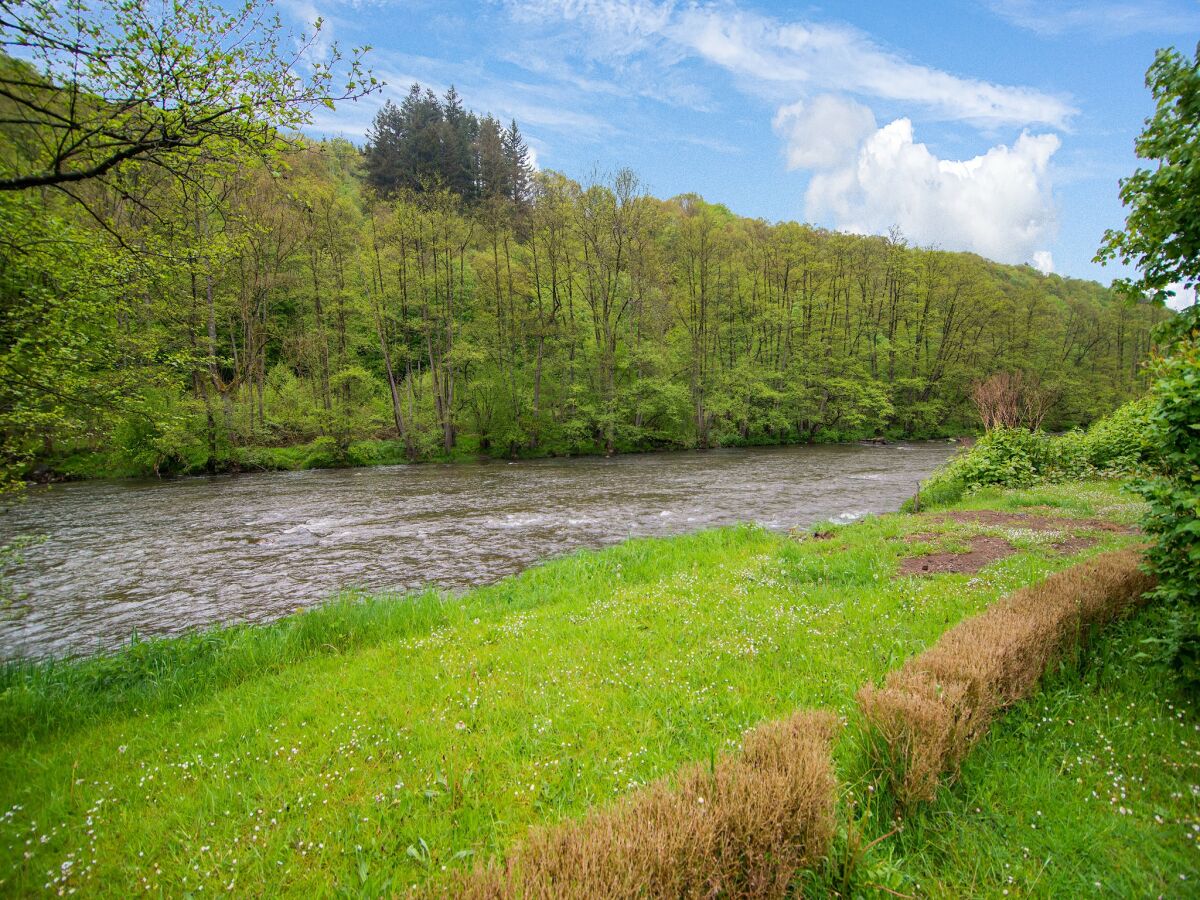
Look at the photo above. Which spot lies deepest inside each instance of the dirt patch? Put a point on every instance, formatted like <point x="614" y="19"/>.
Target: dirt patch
<point x="990" y="517"/>
<point x="1072" y="545"/>
<point x="984" y="549"/>
<point x="922" y="537"/>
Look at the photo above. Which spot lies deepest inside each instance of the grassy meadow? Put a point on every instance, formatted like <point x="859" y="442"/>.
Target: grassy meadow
<point x="381" y="743"/>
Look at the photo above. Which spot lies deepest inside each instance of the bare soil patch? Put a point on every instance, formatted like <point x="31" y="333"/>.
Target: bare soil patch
<point x="984" y="550"/>
<point x="1072" y="545"/>
<point x="920" y="537"/>
<point x="990" y="517"/>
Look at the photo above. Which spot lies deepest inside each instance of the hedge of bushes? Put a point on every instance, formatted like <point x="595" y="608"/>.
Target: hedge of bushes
<point x="1172" y="488"/>
<point x="1119" y="444"/>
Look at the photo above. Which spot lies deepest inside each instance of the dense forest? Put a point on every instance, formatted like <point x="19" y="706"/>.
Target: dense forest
<point x="431" y="294"/>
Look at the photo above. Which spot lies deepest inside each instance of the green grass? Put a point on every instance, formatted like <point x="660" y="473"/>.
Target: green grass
<point x="1091" y="787"/>
<point x="376" y="744"/>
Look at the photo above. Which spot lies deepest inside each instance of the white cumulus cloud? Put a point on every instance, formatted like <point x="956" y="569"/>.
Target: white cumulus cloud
<point x="822" y="78"/>
<point x="823" y="132"/>
<point x="998" y="204"/>
<point x="1043" y="261"/>
<point x="1183" y="298"/>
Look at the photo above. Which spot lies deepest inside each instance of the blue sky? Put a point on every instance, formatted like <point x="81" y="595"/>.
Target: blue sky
<point x="997" y="126"/>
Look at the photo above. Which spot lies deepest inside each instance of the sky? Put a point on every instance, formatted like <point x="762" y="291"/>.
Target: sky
<point x="1000" y="127"/>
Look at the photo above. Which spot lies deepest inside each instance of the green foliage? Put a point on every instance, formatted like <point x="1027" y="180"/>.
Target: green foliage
<point x="375" y="453"/>
<point x="163" y="435"/>
<point x="1173" y="492"/>
<point x="1008" y="457"/>
<point x="1121" y="443"/>
<point x="426" y="143"/>
<point x="236" y="75"/>
<point x="60" y="303"/>
<point x="1161" y="237"/>
<point x="283" y="314"/>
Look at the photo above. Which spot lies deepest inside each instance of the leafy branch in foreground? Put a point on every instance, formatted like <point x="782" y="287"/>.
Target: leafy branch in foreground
<point x="99" y="83"/>
<point x="1161" y="237"/>
<point x="1174" y="490"/>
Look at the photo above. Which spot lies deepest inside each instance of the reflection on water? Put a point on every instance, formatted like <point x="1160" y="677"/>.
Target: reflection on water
<point x="163" y="557"/>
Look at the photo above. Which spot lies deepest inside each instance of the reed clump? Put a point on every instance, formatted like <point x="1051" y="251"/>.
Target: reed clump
<point x="930" y="712"/>
<point x="740" y="827"/>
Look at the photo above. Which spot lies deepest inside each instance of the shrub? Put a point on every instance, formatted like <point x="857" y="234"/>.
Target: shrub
<point x="1067" y="457"/>
<point x="324" y="453"/>
<point x="1121" y="442"/>
<point x="741" y="827"/>
<point x="1011" y="457"/>
<point x="1173" y="491"/>
<point x="930" y="712"/>
<point x="1118" y="444"/>
<point x="165" y="436"/>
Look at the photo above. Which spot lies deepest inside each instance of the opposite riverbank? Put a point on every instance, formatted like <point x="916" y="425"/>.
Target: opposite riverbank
<point x="375" y="744"/>
<point x="325" y="453"/>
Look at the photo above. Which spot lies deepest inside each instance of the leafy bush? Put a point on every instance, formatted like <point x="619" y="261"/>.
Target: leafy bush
<point x="1122" y="442"/>
<point x="324" y="453"/>
<point x="1068" y="457"/>
<point x="1118" y="444"/>
<point x="1174" y="490"/>
<point x="164" y="436"/>
<point x="375" y="453"/>
<point x="1011" y="457"/>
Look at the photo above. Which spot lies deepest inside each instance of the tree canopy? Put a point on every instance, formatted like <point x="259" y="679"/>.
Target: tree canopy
<point x="431" y="295"/>
<point x="427" y="143"/>
<point x="96" y="84"/>
<point x="1161" y="237"/>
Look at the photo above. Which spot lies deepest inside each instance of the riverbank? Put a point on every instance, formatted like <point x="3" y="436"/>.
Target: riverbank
<point x="374" y="744"/>
<point x="325" y="453"/>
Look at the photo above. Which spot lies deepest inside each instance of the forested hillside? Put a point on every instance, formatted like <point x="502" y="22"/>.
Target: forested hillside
<point x="432" y="295"/>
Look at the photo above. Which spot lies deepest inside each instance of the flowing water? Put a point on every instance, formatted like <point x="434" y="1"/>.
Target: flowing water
<point x="161" y="557"/>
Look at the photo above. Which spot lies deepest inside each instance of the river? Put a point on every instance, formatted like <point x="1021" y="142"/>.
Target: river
<point x="161" y="557"/>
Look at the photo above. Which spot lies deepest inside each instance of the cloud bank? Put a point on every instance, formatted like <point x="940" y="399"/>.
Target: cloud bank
<point x="863" y="177"/>
<point x="775" y="58"/>
<point x="868" y="178"/>
<point x="1100" y="17"/>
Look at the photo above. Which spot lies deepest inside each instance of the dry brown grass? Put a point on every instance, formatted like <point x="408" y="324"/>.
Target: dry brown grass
<point x="931" y="711"/>
<point x="740" y="828"/>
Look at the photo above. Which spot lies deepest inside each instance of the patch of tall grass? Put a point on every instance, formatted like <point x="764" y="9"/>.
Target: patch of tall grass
<point x="39" y="697"/>
<point x="52" y="696"/>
